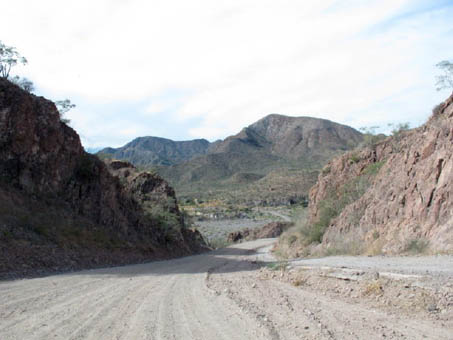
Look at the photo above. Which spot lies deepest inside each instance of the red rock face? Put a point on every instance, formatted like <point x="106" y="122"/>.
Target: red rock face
<point x="37" y="152"/>
<point x="40" y="155"/>
<point x="409" y="199"/>
<point x="147" y="188"/>
<point x="42" y="159"/>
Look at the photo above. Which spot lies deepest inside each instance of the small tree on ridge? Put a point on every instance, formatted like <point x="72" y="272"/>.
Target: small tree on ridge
<point x="64" y="106"/>
<point x="445" y="81"/>
<point x="9" y="57"/>
<point x="23" y="83"/>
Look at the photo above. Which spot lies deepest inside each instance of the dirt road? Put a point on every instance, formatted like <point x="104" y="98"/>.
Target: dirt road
<point x="284" y="217"/>
<point x="218" y="295"/>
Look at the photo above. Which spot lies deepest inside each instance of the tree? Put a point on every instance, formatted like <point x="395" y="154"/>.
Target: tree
<point x="64" y="106"/>
<point x="9" y="57"/>
<point x="370" y="135"/>
<point x="24" y="83"/>
<point x="445" y="81"/>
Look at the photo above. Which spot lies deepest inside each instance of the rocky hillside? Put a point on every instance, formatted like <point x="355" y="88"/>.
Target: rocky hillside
<point x="393" y="197"/>
<point x="274" y="144"/>
<point x="146" y="151"/>
<point x="61" y="208"/>
<point x="296" y="138"/>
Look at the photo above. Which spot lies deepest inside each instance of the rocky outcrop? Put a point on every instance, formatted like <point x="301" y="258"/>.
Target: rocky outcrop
<point x="81" y="208"/>
<point x="149" y="189"/>
<point x="394" y="197"/>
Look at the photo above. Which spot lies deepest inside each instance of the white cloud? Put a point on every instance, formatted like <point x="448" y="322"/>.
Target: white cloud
<point x="236" y="61"/>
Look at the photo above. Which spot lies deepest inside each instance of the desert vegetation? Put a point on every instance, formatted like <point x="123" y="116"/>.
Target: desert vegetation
<point x="305" y="235"/>
<point x="9" y="57"/>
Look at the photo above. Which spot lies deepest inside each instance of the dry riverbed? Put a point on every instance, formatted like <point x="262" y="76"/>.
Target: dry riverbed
<point x="232" y="293"/>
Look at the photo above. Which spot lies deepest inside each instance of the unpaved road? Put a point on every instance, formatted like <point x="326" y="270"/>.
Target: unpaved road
<point x="285" y="218"/>
<point x="213" y="296"/>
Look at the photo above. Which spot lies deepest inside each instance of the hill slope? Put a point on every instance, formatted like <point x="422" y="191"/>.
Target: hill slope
<point x="61" y="207"/>
<point x="306" y="138"/>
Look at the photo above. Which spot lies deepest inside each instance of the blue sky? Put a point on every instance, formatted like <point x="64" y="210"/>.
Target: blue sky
<point x="205" y="69"/>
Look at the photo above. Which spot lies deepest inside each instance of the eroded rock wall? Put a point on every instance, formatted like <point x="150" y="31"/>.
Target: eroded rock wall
<point x="43" y="164"/>
<point x="407" y="202"/>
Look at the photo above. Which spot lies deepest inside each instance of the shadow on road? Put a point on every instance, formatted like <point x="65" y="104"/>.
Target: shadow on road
<point x="232" y="259"/>
<point x="240" y="257"/>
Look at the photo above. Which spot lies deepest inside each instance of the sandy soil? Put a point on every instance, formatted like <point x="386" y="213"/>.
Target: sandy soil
<point x="226" y="294"/>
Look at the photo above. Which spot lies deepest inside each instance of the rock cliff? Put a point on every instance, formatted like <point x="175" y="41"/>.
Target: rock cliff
<point x="393" y="197"/>
<point x="61" y="208"/>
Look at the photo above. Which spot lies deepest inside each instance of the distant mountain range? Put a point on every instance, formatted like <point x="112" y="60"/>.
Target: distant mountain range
<point x="92" y="150"/>
<point x="273" y="143"/>
<point x="158" y="151"/>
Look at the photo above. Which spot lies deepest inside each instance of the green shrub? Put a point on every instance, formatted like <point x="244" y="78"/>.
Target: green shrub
<point x="334" y="203"/>
<point x="417" y="246"/>
<point x="398" y="128"/>
<point x="7" y="235"/>
<point x="397" y="133"/>
<point x="326" y="170"/>
<point x="292" y="239"/>
<point x="327" y="212"/>
<point x="437" y="109"/>
<point x="278" y="265"/>
<point x="373" y="168"/>
<point x="219" y="242"/>
<point x="370" y="136"/>
<point x="354" y="158"/>
<point x="371" y="140"/>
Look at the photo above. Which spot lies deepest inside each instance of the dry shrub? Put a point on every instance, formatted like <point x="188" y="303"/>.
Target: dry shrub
<point x="374" y="288"/>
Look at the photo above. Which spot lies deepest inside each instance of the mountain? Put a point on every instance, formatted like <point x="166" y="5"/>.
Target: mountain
<point x="388" y="198"/>
<point x="273" y="144"/>
<point x="93" y="150"/>
<point x="62" y="208"/>
<point x="294" y="138"/>
<point x="158" y="151"/>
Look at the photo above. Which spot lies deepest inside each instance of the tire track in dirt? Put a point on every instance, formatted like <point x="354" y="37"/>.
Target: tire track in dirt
<point x="218" y="295"/>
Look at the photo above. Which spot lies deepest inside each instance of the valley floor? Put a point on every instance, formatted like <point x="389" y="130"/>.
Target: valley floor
<point x="233" y="293"/>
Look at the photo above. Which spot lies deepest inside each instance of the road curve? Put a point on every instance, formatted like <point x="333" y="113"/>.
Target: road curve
<point x="209" y="296"/>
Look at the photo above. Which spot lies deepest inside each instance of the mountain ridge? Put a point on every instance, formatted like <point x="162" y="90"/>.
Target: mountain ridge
<point x="150" y="150"/>
<point x="274" y="142"/>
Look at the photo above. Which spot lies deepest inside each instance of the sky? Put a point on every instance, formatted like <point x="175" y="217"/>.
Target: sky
<point x="184" y="69"/>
